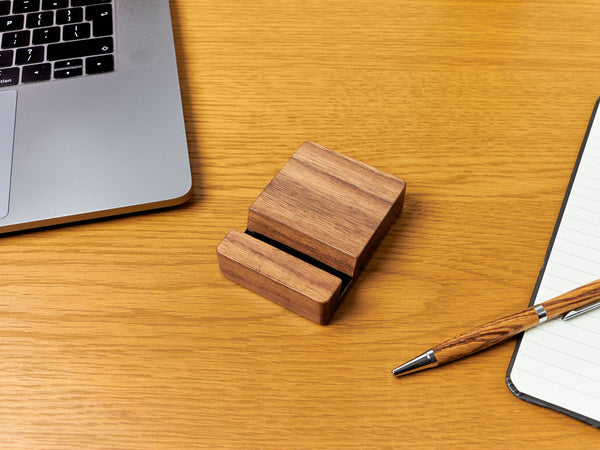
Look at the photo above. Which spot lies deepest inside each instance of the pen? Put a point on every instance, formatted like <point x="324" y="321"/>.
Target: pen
<point x="570" y="304"/>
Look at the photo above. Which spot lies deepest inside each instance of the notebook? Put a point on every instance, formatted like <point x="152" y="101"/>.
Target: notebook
<point x="91" y="120"/>
<point x="557" y="364"/>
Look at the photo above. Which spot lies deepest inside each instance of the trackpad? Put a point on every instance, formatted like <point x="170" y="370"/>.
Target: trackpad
<point x="8" y="108"/>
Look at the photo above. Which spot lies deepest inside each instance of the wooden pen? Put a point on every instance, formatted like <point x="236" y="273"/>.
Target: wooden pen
<point x="570" y="304"/>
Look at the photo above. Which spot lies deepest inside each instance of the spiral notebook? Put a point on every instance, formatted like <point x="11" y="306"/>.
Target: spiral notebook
<point x="557" y="365"/>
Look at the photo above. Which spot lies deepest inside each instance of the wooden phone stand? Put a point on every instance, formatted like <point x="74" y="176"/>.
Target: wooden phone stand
<point x="312" y="230"/>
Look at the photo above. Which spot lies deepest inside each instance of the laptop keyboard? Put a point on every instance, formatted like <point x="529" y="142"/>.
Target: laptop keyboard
<point x="41" y="40"/>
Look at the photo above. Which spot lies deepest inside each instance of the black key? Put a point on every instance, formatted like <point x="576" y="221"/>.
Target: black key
<point x="31" y="55"/>
<point x="79" y="49"/>
<point x="55" y="4"/>
<point x="11" y="23"/>
<point x="78" y="31"/>
<point x="4" y="8"/>
<point x="71" y="15"/>
<point x="68" y="69"/>
<point x="9" y="77"/>
<point x="99" y="64"/>
<point x="16" y="39"/>
<point x="87" y="2"/>
<point x="24" y="6"/>
<point x="101" y="17"/>
<point x="6" y="57"/>
<point x="40" y="19"/>
<point x="37" y="72"/>
<point x="68" y="64"/>
<point x="46" y="35"/>
<point x="69" y="73"/>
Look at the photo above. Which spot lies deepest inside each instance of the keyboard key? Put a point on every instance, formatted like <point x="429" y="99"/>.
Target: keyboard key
<point x="68" y="64"/>
<point x="11" y="23"/>
<point x="87" y="2"/>
<point x="78" y="31"/>
<point x="31" y="55"/>
<point x="17" y="39"/>
<point x="9" y="77"/>
<point x="79" y="49"/>
<point x="101" y="18"/>
<point x="6" y="57"/>
<point x="37" y="72"/>
<point x="40" y="19"/>
<point x="46" y="35"/>
<point x="4" y="8"/>
<point x="24" y="6"/>
<point x="68" y="69"/>
<point x="68" y="73"/>
<point x="55" y="4"/>
<point x="99" y="64"/>
<point x="71" y="15"/>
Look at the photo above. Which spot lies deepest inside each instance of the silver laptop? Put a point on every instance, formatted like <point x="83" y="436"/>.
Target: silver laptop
<point x="91" y="120"/>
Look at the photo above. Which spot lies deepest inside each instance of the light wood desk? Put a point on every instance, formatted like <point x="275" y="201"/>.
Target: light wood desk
<point x="123" y="333"/>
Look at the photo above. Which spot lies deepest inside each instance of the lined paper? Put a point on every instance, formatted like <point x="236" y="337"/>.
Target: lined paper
<point x="559" y="362"/>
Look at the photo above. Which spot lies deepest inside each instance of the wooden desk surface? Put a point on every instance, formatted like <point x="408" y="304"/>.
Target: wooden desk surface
<point x="123" y="333"/>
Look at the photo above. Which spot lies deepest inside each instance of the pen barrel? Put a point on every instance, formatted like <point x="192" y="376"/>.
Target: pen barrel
<point x="499" y="330"/>
<point x="582" y="296"/>
<point x="485" y="336"/>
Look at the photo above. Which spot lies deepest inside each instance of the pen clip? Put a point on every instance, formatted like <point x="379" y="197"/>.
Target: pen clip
<point x="579" y="311"/>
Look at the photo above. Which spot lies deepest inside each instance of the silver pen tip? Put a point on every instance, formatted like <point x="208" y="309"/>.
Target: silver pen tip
<point x="425" y="361"/>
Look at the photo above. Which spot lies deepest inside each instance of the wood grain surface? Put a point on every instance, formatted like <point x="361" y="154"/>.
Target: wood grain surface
<point x="329" y="207"/>
<point x="586" y="295"/>
<point x="484" y="336"/>
<point x="274" y="274"/>
<point x="122" y="333"/>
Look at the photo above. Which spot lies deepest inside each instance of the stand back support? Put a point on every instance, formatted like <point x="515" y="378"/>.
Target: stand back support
<point x="312" y="230"/>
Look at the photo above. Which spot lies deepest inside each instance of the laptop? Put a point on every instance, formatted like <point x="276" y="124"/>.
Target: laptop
<point x="91" y="120"/>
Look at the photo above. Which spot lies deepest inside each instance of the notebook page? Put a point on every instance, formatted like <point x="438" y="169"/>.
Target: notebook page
<point x="558" y="362"/>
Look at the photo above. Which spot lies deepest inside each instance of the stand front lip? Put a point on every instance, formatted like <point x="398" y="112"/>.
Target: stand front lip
<point x="281" y="277"/>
